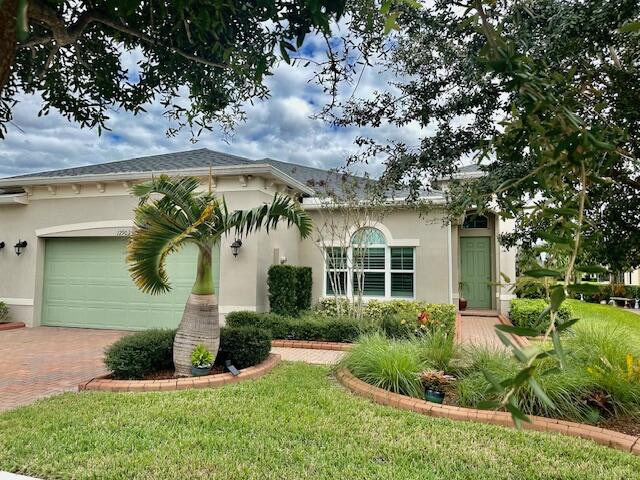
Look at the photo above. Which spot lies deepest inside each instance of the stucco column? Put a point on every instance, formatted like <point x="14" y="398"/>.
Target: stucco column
<point x="507" y="265"/>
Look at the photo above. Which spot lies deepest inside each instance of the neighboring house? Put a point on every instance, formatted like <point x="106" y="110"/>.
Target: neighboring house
<point x="75" y="222"/>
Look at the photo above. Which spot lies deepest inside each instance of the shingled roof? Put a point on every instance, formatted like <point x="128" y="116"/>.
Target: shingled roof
<point x="316" y="179"/>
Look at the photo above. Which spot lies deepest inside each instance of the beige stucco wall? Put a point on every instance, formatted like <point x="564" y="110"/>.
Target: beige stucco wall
<point x="62" y="211"/>
<point x="432" y="258"/>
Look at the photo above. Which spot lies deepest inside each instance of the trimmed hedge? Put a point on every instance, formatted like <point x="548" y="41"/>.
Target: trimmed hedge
<point x="525" y="312"/>
<point x="134" y="356"/>
<point x="289" y="289"/>
<point x="303" y="292"/>
<point x="4" y="312"/>
<point x="244" y="346"/>
<point x="396" y="318"/>
<point x="308" y="327"/>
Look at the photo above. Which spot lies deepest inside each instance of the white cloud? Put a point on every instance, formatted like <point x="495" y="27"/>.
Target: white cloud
<point x="280" y="128"/>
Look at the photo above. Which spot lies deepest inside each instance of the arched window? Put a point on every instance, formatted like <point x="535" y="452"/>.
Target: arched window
<point x="368" y="236"/>
<point x="369" y="267"/>
<point x="474" y="220"/>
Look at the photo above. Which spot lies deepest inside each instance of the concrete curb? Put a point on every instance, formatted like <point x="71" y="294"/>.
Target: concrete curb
<point x="602" y="436"/>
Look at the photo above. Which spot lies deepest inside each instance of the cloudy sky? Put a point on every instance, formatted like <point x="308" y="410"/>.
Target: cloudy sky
<point x="279" y="128"/>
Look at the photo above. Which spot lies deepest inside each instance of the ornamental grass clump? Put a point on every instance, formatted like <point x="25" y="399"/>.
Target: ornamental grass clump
<point x="393" y="365"/>
<point x="597" y="381"/>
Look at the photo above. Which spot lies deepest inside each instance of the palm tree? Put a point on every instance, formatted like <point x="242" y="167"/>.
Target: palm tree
<point x="171" y="214"/>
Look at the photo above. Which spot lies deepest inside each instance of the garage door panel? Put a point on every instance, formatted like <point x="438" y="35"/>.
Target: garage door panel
<point x="87" y="284"/>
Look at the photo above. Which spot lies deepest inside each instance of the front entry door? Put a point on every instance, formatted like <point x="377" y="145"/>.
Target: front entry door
<point x="475" y="266"/>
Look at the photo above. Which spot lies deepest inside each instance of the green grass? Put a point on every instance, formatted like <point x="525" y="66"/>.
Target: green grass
<point x="294" y="423"/>
<point x="605" y="316"/>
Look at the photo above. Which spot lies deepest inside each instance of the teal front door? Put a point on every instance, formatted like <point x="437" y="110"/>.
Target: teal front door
<point x="475" y="271"/>
<point x="87" y="284"/>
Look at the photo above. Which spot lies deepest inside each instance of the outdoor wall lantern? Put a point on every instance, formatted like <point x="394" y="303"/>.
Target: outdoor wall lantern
<point x="21" y="245"/>
<point x="1" y="245"/>
<point x="235" y="247"/>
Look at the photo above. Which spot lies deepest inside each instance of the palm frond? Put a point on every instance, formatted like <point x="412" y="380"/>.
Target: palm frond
<point x="177" y="193"/>
<point x="268" y="216"/>
<point x="156" y="235"/>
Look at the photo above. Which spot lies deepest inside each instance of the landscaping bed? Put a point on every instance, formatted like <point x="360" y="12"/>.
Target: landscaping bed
<point x="295" y="422"/>
<point x="213" y="380"/>
<point x="148" y="355"/>
<point x="600" y="384"/>
<point x="341" y="323"/>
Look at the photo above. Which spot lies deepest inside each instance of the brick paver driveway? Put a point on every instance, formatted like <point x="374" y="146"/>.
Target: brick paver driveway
<point x="37" y="362"/>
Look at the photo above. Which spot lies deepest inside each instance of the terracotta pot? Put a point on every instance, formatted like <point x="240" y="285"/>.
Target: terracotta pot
<point x="462" y="304"/>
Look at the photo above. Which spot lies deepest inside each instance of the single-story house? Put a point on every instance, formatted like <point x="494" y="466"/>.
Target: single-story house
<point x="64" y="235"/>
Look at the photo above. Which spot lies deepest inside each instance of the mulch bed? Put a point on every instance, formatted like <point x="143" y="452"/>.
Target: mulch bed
<point x="628" y="425"/>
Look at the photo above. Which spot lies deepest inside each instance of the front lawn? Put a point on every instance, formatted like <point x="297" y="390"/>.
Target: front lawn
<point x="605" y="316"/>
<point x="294" y="423"/>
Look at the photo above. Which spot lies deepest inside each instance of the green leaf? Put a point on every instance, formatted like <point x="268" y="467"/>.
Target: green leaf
<point x="630" y="27"/>
<point x="542" y="272"/>
<point x="390" y="23"/>
<point x="557" y="297"/>
<point x="584" y="288"/>
<point x="284" y="53"/>
<point x="520" y="331"/>
<point x="488" y="405"/>
<point x="557" y="345"/>
<point x="566" y="325"/>
<point x="517" y="351"/>
<point x="591" y="269"/>
<point x="537" y="389"/>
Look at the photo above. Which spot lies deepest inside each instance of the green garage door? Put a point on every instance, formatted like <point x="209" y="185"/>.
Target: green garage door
<point x="87" y="284"/>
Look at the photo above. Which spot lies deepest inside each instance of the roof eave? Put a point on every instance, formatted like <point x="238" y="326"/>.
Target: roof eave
<point x="255" y="169"/>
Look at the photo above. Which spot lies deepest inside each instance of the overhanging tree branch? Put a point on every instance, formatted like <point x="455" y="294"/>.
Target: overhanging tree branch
<point x="64" y="34"/>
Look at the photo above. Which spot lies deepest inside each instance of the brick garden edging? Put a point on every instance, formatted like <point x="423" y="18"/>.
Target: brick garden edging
<point x="610" y="438"/>
<point x="314" y="345"/>
<point x="11" y="325"/>
<point x="106" y="384"/>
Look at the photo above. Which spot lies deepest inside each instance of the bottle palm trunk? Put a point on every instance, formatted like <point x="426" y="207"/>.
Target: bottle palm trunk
<point x="199" y="324"/>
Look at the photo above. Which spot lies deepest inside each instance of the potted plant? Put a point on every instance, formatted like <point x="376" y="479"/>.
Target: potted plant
<point x="434" y="382"/>
<point x="462" y="302"/>
<point x="201" y="361"/>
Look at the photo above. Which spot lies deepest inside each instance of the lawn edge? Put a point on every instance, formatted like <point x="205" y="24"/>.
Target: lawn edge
<point x="602" y="436"/>
<point x="311" y="344"/>
<point x="105" y="384"/>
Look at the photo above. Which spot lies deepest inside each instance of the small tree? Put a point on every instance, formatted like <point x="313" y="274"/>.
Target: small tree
<point x="172" y="214"/>
<point x="347" y="208"/>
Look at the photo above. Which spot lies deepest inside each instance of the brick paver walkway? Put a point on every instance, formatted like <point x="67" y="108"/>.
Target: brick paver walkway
<point x="308" y="355"/>
<point x="43" y="361"/>
<point x="37" y="362"/>
<point x="480" y="331"/>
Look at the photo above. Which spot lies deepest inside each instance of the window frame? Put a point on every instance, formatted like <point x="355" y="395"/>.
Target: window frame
<point x="388" y="271"/>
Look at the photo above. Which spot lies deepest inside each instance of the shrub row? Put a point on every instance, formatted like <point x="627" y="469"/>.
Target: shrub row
<point x="289" y="289"/>
<point x="307" y="327"/>
<point x="607" y="291"/>
<point x="527" y="313"/>
<point x="526" y="287"/>
<point x="143" y="353"/>
<point x="398" y="318"/>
